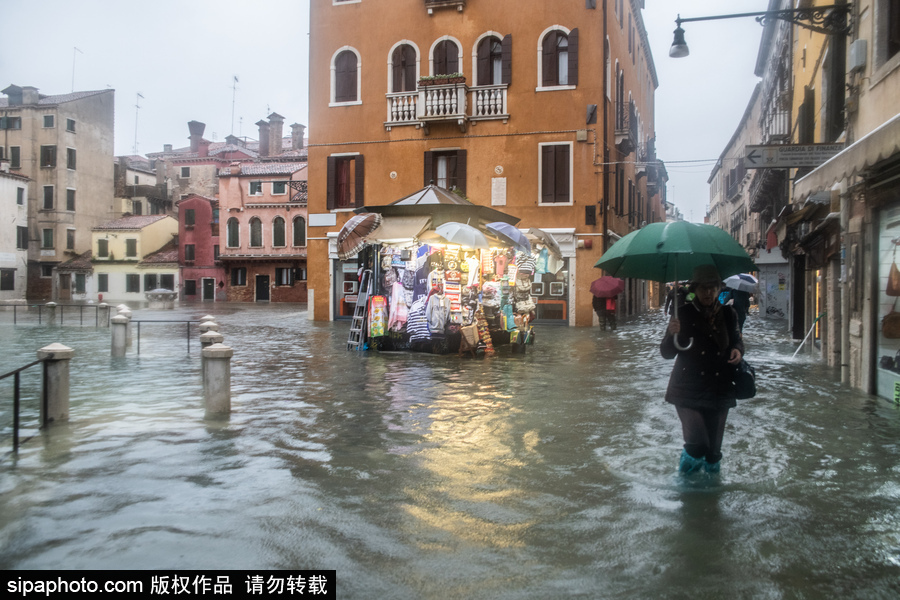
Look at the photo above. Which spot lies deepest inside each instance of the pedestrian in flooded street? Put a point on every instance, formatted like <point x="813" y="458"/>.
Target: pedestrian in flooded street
<point x="700" y="385"/>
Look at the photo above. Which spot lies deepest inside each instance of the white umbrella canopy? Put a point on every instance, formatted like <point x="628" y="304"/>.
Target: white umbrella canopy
<point x="742" y="282"/>
<point x="462" y="234"/>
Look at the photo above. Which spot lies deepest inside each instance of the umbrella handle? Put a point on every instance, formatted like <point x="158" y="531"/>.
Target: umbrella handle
<point x="679" y="346"/>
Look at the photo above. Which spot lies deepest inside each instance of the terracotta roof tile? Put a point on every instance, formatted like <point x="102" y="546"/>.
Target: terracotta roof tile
<point x="166" y="254"/>
<point x="56" y="99"/>
<point x="82" y="262"/>
<point x="132" y="222"/>
<point x="267" y="168"/>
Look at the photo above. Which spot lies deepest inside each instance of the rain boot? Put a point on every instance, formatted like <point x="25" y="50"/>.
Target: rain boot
<point x="689" y="464"/>
<point x="712" y="463"/>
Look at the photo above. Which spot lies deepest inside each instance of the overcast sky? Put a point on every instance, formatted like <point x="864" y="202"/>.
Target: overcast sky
<point x="182" y="57"/>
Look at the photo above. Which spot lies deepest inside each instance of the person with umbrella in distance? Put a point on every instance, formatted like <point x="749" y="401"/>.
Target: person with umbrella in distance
<point x="604" y="290"/>
<point x="700" y="385"/>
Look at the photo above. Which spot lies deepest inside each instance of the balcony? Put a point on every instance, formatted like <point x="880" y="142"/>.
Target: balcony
<point x="776" y="127"/>
<point x="430" y="5"/>
<point x="447" y="102"/>
<point x="626" y="128"/>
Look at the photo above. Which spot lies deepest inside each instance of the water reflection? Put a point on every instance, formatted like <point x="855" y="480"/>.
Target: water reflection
<point x="415" y="476"/>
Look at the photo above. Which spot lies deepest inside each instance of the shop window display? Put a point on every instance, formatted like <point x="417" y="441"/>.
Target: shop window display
<point x="444" y="298"/>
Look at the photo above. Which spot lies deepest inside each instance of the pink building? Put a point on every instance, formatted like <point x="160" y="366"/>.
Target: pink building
<point x="263" y="210"/>
<point x="202" y="273"/>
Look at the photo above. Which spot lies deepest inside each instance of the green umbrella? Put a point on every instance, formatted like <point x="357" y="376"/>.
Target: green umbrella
<point x="671" y="251"/>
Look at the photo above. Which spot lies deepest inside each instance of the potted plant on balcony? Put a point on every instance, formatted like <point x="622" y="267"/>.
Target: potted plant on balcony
<point x="443" y="79"/>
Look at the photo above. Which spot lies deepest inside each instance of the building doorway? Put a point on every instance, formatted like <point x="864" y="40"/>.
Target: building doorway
<point x="262" y="288"/>
<point x="209" y="289"/>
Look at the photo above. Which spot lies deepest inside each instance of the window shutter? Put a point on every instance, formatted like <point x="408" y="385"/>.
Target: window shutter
<point x="548" y="60"/>
<point x="429" y="168"/>
<point x="452" y="58"/>
<point x="548" y="173"/>
<point x="360" y="180"/>
<point x="345" y="77"/>
<point x="507" y="59"/>
<point x="562" y="174"/>
<point x="484" y="62"/>
<point x="331" y="173"/>
<point x="461" y="170"/>
<point x="573" y="57"/>
<point x="397" y="70"/>
<point x="409" y="55"/>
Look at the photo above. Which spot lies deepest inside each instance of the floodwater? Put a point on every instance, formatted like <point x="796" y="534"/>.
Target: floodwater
<point x="414" y="476"/>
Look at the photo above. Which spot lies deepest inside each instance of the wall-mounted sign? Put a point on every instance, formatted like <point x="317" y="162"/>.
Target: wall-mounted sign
<point x="789" y="156"/>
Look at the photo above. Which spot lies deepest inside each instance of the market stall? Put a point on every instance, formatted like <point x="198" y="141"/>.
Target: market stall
<point x="440" y="274"/>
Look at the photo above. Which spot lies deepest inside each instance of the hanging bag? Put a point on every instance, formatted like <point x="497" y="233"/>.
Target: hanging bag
<point x="744" y="380"/>
<point x="890" y="324"/>
<point x="893" y="284"/>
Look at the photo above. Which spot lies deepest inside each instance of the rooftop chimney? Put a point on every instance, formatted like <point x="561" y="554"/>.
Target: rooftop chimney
<point x="276" y="132"/>
<point x="196" y="128"/>
<point x="22" y="95"/>
<point x="297" y="133"/>
<point x="235" y="168"/>
<point x="167" y="147"/>
<point x="203" y="148"/>
<point x="263" y="137"/>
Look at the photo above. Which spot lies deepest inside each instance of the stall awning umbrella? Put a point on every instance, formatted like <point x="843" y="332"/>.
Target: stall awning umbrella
<point x="352" y="237"/>
<point x="510" y="234"/>
<point x="607" y="286"/>
<point x="462" y="234"/>
<point x="441" y="206"/>
<point x="742" y="282"/>
<point x="671" y="251"/>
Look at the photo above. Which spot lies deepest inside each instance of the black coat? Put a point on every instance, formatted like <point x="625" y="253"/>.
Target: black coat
<point x="702" y="378"/>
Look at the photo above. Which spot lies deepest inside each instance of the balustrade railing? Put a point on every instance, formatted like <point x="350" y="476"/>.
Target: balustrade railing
<point x="489" y="102"/>
<point x="402" y="108"/>
<point x="437" y="102"/>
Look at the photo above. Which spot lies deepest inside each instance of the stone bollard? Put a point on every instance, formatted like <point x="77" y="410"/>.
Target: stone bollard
<point x="103" y="308"/>
<point x="50" y="315"/>
<point x="56" y="382"/>
<point x="208" y="326"/>
<point x="125" y="312"/>
<point x="217" y="379"/>
<point x="119" y="325"/>
<point x="206" y="340"/>
<point x="205" y="318"/>
<point x="211" y="337"/>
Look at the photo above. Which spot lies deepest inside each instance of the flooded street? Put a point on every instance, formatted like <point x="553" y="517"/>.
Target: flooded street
<point x="547" y="475"/>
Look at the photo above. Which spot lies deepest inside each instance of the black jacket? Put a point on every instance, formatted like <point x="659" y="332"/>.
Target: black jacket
<point x="702" y="378"/>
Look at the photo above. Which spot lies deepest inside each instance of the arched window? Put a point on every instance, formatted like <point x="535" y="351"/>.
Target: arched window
<point x="621" y="113"/>
<point x="559" y="58"/>
<point x="299" y="231"/>
<point x="494" y="58"/>
<point x="234" y="233"/>
<point x="346" y="65"/>
<point x="446" y="58"/>
<point x="403" y="69"/>
<point x="256" y="233"/>
<point x="278" y="237"/>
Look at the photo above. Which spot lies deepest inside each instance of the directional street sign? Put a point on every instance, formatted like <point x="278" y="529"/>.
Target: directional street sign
<point x="789" y="156"/>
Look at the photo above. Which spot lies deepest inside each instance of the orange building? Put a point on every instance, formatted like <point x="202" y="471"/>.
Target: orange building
<point x="545" y="112"/>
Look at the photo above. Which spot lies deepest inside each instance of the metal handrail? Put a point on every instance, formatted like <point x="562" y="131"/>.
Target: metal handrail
<point x="17" y="396"/>
<point x="185" y="321"/>
<point x="62" y="312"/>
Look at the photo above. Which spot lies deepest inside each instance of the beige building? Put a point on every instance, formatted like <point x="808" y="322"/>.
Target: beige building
<point x="64" y="144"/>
<point x="126" y="260"/>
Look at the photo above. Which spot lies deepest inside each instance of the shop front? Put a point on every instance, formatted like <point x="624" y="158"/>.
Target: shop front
<point x="434" y="284"/>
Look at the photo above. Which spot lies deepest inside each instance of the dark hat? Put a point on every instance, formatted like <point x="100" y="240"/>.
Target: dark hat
<point x="706" y="274"/>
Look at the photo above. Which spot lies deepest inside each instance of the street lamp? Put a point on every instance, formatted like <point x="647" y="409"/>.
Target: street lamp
<point x="829" y="20"/>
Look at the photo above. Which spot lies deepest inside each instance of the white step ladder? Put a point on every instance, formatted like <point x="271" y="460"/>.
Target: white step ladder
<point x="358" y="324"/>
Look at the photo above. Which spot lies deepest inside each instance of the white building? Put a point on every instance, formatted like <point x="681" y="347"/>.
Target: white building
<point x="13" y="235"/>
